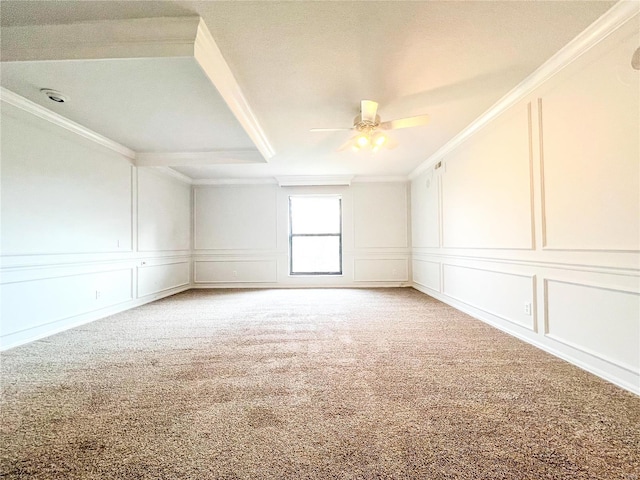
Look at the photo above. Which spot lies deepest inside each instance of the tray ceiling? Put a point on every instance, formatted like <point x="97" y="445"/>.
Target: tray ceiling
<point x="296" y="66"/>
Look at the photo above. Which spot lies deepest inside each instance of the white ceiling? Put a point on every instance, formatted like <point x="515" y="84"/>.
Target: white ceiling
<point x="170" y="97"/>
<point x="302" y="65"/>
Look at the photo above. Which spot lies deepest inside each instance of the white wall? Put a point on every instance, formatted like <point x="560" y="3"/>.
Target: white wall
<point x="241" y="235"/>
<point x="84" y="232"/>
<point x="540" y="210"/>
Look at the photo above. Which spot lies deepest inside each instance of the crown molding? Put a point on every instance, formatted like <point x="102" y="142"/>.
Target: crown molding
<point x="33" y="108"/>
<point x="235" y="181"/>
<point x="170" y="172"/>
<point x="209" y="57"/>
<point x="211" y="157"/>
<point x="380" y="179"/>
<point x="314" y="180"/>
<point x="609" y="22"/>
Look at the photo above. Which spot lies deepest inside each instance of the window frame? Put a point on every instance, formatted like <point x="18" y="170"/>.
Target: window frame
<point x="291" y="235"/>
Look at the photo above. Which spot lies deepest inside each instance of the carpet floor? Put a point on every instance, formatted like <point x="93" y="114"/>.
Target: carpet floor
<point x="306" y="384"/>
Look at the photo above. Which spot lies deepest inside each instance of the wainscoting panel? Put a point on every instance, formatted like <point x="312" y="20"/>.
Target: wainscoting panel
<point x="158" y="278"/>
<point x="59" y="298"/>
<point x="597" y="320"/>
<point x="598" y="152"/>
<point x="425" y="210"/>
<point x="504" y="295"/>
<point x="235" y="217"/>
<point x="229" y="271"/>
<point x="164" y="212"/>
<point x="381" y="270"/>
<point x="487" y="187"/>
<point x="380" y="215"/>
<point x="427" y="274"/>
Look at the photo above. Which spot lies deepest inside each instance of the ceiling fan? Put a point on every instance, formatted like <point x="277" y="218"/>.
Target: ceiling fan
<point x="369" y="126"/>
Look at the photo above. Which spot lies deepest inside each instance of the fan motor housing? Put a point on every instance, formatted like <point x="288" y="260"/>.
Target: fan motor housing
<point x="360" y="124"/>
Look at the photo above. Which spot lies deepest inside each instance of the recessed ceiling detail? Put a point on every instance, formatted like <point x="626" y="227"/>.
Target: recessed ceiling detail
<point x="155" y="85"/>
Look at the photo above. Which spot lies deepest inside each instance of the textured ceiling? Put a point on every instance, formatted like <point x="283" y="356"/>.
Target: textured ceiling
<point x="302" y="65"/>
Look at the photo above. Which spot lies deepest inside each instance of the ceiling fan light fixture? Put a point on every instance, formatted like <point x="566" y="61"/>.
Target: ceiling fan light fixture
<point x="362" y="140"/>
<point x="370" y="130"/>
<point x="379" y="139"/>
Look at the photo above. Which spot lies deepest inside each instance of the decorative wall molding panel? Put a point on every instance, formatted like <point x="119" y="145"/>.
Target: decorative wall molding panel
<point x="163" y="212"/>
<point x="386" y="225"/>
<point x="154" y="279"/>
<point x="504" y="295"/>
<point x="426" y="211"/>
<point x="579" y="220"/>
<point x="381" y="270"/>
<point x="487" y="184"/>
<point x="601" y="321"/>
<point x="237" y="217"/>
<point x="427" y="274"/>
<point x="92" y="292"/>
<point x="228" y="271"/>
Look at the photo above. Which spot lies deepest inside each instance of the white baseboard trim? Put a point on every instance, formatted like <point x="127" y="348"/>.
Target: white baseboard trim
<point x="530" y="337"/>
<point x="22" y="337"/>
<point x="243" y="285"/>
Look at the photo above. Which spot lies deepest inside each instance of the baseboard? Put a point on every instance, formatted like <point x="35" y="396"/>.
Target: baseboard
<point x="42" y="331"/>
<point x="530" y="337"/>
<point x="241" y="285"/>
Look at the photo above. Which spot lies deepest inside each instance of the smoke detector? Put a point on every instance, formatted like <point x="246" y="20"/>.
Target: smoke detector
<point x="54" y="95"/>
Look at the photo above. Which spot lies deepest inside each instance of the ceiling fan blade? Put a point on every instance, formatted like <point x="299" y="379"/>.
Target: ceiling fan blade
<point x="368" y="110"/>
<point x="391" y="143"/>
<point x="346" y="145"/>
<point x="329" y="129"/>
<point x="406" y="122"/>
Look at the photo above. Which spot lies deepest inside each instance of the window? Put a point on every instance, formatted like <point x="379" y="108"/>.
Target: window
<point x="315" y="235"/>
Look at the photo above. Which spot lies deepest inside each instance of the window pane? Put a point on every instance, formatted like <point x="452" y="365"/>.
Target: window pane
<point x="315" y="254"/>
<point x="315" y="214"/>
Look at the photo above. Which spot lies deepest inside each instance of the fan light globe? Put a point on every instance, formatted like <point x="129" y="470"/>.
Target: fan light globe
<point x="380" y="140"/>
<point x="362" y="140"/>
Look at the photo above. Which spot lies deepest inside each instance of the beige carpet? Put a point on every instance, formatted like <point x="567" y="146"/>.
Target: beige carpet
<point x="306" y="384"/>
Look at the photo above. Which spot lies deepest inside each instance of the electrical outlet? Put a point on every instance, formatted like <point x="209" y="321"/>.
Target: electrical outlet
<point x="527" y="308"/>
<point x="235" y="274"/>
<point x="98" y="294"/>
